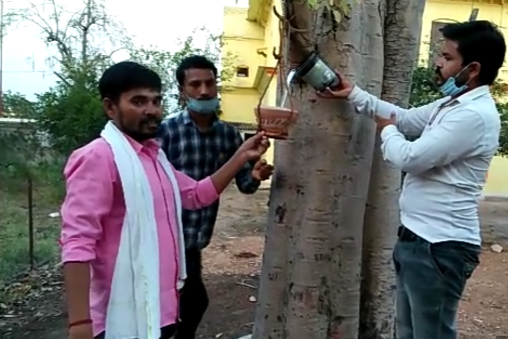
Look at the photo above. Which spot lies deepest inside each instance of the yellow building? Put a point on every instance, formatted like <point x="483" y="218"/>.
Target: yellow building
<point x="251" y="34"/>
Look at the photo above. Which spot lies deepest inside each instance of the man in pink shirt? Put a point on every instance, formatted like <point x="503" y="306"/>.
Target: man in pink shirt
<point x="94" y="209"/>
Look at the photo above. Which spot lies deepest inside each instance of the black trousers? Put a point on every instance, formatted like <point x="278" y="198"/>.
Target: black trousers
<point x="167" y="332"/>
<point x="193" y="298"/>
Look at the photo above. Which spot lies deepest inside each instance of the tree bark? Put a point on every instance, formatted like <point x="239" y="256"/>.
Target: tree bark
<point x="310" y="283"/>
<point x="402" y="30"/>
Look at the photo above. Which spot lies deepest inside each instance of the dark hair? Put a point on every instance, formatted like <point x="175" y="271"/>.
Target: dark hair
<point x="193" y="61"/>
<point x="479" y="41"/>
<point x="125" y="76"/>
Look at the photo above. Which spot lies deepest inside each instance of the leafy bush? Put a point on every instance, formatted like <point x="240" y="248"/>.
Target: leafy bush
<point x="72" y="115"/>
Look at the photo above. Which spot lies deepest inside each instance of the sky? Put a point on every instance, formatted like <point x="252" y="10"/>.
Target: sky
<point x="149" y="22"/>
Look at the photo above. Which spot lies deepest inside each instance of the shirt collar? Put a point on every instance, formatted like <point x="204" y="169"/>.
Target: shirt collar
<point x="150" y="145"/>
<point x="187" y="120"/>
<point x="186" y="117"/>
<point x="472" y="95"/>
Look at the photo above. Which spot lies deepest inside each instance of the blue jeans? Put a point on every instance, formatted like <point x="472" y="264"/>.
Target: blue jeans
<point x="430" y="282"/>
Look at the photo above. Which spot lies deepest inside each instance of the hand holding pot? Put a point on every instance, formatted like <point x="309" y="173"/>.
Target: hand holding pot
<point x="254" y="147"/>
<point x="342" y="91"/>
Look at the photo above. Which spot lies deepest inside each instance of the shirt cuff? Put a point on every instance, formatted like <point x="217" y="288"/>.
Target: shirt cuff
<point x="389" y="131"/>
<point x="207" y="192"/>
<point x="356" y="94"/>
<point x="77" y="250"/>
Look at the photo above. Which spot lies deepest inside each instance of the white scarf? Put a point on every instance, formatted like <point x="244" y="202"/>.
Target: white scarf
<point x="134" y="304"/>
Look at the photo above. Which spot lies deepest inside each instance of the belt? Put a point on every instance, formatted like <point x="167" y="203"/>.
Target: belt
<point x="406" y="234"/>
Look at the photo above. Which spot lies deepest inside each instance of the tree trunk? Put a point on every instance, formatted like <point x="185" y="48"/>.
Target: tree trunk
<point x="310" y="283"/>
<point x="402" y="30"/>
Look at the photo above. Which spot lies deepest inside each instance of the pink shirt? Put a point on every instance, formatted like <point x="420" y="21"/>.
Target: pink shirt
<point x="94" y="211"/>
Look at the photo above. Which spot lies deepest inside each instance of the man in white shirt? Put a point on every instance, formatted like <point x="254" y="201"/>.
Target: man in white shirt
<point x="439" y="240"/>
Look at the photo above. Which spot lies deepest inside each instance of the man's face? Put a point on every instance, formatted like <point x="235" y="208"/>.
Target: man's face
<point x="450" y="64"/>
<point x="199" y="84"/>
<point x="138" y="113"/>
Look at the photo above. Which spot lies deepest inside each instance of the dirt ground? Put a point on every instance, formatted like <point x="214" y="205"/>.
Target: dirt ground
<point x="232" y="266"/>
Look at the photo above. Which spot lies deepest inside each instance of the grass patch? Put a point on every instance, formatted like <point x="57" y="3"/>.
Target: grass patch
<point x="14" y="234"/>
<point x="14" y="229"/>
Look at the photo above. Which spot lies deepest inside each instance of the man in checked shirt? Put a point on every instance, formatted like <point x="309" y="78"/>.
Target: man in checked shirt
<point x="197" y="143"/>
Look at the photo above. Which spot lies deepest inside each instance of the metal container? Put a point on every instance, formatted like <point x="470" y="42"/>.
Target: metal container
<point x="316" y="73"/>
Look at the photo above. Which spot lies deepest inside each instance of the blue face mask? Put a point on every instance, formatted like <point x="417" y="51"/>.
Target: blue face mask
<point x="204" y="107"/>
<point x="450" y="88"/>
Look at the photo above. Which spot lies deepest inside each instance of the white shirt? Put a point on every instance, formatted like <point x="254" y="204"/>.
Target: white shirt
<point x="446" y="167"/>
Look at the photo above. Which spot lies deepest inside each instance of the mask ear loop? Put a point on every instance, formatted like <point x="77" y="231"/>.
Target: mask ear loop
<point x="461" y="72"/>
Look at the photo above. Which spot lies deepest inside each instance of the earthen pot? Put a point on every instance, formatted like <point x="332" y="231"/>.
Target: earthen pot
<point x="275" y="121"/>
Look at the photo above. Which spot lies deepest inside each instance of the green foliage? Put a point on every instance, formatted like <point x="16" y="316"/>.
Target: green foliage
<point x="24" y="159"/>
<point x="17" y="105"/>
<point x="424" y="91"/>
<point x="503" y="138"/>
<point x="423" y="88"/>
<point x="24" y="148"/>
<point x="165" y="63"/>
<point x="14" y="233"/>
<point x="72" y="115"/>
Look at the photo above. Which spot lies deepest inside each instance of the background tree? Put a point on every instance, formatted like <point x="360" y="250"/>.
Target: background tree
<point x="423" y="87"/>
<point x="85" y="37"/>
<point x="402" y="30"/>
<point x="17" y="105"/>
<point x="166" y="62"/>
<point x="84" y="42"/>
<point x="310" y="282"/>
<point x="503" y="140"/>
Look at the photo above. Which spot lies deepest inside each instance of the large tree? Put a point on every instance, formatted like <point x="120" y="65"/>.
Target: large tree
<point x="82" y="37"/>
<point x="402" y="30"/>
<point x="310" y="283"/>
<point x="82" y="40"/>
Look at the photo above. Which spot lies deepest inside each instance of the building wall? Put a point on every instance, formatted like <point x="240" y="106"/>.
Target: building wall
<point x="497" y="179"/>
<point x="238" y="105"/>
<point x="453" y="11"/>
<point x="244" y="40"/>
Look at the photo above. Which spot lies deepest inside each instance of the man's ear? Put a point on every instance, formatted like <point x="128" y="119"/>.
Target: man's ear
<point x="107" y="105"/>
<point x="475" y="69"/>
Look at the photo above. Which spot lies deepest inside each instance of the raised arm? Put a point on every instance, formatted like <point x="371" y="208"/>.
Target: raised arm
<point x="244" y="180"/>
<point x="89" y="198"/>
<point x="411" y="122"/>
<point x="199" y="194"/>
<point x="459" y="134"/>
<point x="196" y="194"/>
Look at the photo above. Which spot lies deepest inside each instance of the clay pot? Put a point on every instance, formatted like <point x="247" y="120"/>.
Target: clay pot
<point x="275" y="121"/>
